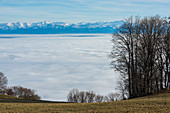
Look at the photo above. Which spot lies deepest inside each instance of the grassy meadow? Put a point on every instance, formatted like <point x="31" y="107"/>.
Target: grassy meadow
<point x="159" y="103"/>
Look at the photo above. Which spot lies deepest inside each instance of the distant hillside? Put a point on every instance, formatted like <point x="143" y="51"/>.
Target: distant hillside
<point x="58" y="27"/>
<point x="159" y="103"/>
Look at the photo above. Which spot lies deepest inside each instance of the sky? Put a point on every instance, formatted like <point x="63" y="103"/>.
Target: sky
<point x="73" y="11"/>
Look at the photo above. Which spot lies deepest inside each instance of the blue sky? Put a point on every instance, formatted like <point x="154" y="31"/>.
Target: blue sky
<point x="79" y="10"/>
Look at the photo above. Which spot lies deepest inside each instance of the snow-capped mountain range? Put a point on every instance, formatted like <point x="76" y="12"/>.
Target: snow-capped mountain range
<point x="58" y="27"/>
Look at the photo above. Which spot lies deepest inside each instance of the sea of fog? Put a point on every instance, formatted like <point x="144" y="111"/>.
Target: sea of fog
<point x="55" y="64"/>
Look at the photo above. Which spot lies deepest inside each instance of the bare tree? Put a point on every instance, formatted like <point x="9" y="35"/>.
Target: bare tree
<point x="73" y="96"/>
<point x="122" y="87"/>
<point x="83" y="97"/>
<point x="90" y="96"/>
<point x="9" y="91"/>
<point x="166" y="51"/>
<point x="3" y="82"/>
<point x="99" y="98"/>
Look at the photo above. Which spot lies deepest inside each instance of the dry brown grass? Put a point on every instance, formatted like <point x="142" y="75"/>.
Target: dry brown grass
<point x="159" y="103"/>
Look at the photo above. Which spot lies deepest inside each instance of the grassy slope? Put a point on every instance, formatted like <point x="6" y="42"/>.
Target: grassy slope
<point x="159" y="103"/>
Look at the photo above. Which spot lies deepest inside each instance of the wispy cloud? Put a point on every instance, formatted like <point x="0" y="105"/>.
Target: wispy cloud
<point x="79" y="10"/>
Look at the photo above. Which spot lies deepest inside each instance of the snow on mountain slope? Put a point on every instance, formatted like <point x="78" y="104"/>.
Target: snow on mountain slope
<point x="82" y="27"/>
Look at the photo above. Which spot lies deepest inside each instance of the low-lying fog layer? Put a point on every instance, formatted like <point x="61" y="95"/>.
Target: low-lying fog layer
<point x="54" y="64"/>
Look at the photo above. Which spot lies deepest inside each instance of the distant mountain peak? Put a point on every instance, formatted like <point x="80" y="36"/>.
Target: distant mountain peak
<point x="59" y="27"/>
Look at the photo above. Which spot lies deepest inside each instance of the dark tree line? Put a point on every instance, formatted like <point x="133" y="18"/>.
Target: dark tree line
<point x="141" y="53"/>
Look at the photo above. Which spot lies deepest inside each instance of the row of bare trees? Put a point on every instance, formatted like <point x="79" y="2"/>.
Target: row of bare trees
<point x="141" y="53"/>
<point x="90" y="97"/>
<point x="21" y="92"/>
